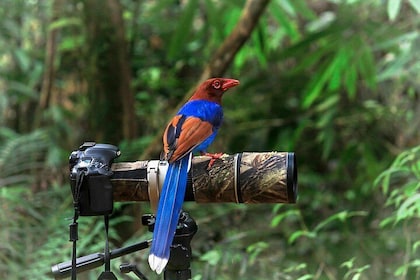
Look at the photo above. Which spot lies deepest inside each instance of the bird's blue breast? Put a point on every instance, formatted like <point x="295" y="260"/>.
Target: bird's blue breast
<point x="207" y="111"/>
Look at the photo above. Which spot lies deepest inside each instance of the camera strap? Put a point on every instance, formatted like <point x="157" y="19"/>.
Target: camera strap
<point x="107" y="256"/>
<point x="74" y="226"/>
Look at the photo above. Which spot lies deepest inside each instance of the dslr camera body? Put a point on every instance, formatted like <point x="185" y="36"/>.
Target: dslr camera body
<point x="90" y="172"/>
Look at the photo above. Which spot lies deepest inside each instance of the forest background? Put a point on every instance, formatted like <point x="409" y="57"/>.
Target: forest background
<point x="337" y="82"/>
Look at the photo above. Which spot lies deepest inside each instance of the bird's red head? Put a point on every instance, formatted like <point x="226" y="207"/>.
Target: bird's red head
<point x="213" y="89"/>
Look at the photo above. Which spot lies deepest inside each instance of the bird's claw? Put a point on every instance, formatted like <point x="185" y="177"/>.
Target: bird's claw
<point x="213" y="158"/>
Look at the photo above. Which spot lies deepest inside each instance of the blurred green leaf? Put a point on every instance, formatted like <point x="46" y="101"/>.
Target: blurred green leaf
<point x="415" y="4"/>
<point x="410" y="208"/>
<point x="366" y="66"/>
<point x="340" y="216"/>
<point x="23" y="59"/>
<point x="71" y="43"/>
<point x="212" y="257"/>
<point x="348" y="264"/>
<point x="350" y="80"/>
<point x="65" y="22"/>
<point x="318" y="82"/>
<point x="280" y="217"/>
<point x="301" y="233"/>
<point x="301" y="7"/>
<point x="288" y="25"/>
<point x="255" y="249"/>
<point x="393" y="8"/>
<point x="340" y="66"/>
<point x="305" y="277"/>
<point x="182" y="33"/>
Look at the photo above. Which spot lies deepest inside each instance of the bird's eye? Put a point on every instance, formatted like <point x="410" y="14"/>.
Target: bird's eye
<point x="216" y="84"/>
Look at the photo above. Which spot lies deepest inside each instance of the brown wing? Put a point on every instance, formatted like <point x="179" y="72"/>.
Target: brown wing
<point x="182" y="135"/>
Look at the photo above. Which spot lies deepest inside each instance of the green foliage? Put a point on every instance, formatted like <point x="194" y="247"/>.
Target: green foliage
<point x="405" y="171"/>
<point x="37" y="231"/>
<point x="353" y="273"/>
<point x="401" y="183"/>
<point x="394" y="6"/>
<point x="21" y="155"/>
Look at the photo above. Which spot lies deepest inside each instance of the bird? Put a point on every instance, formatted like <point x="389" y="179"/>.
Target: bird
<point x="191" y="130"/>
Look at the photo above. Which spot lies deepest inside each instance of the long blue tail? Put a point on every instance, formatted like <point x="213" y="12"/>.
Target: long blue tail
<point x="169" y="208"/>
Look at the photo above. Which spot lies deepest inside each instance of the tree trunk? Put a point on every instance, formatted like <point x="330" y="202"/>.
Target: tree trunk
<point x="50" y="58"/>
<point x="109" y="74"/>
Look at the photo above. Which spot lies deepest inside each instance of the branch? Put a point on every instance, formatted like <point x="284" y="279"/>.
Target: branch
<point x="223" y="57"/>
<point x="50" y="59"/>
<point x="241" y="178"/>
<point x="221" y="60"/>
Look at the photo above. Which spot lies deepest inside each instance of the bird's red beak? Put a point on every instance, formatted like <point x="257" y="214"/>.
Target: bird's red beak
<point x="229" y="83"/>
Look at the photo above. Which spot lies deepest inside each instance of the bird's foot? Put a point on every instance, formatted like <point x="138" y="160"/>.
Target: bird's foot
<point x="213" y="158"/>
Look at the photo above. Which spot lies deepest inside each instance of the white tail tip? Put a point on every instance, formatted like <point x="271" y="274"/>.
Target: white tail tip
<point x="157" y="263"/>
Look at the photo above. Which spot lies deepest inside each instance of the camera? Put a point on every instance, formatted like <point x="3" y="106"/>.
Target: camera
<point x="90" y="170"/>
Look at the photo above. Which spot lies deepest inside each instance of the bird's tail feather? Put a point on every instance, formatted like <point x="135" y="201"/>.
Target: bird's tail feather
<point x="170" y="203"/>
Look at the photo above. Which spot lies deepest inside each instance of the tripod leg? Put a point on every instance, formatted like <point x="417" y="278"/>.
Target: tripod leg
<point x="178" y="267"/>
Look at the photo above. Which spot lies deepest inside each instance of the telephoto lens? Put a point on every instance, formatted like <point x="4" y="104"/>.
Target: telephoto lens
<point x="247" y="177"/>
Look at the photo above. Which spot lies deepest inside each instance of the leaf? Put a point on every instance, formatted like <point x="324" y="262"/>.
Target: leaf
<point x="281" y="17"/>
<point x="398" y="167"/>
<point x="318" y="81"/>
<point x="396" y="40"/>
<point x="295" y="267"/>
<point x="182" y="32"/>
<point x="384" y="180"/>
<point x="341" y="61"/>
<point x="416" y="246"/>
<point x="350" y="80"/>
<point x="255" y="249"/>
<point x="393" y="8"/>
<point x="71" y="43"/>
<point x="400" y="270"/>
<point x="328" y="104"/>
<point x="278" y="218"/>
<point x="300" y="233"/>
<point x="212" y="18"/>
<point x="395" y="68"/>
<point x="348" y="264"/>
<point x="23" y="59"/>
<point x="302" y="8"/>
<point x="302" y="47"/>
<point x="306" y="277"/>
<point x="212" y="257"/>
<point x="329" y="75"/>
<point x="367" y="66"/>
<point x="287" y="7"/>
<point x="64" y="22"/>
<point x="276" y="207"/>
<point x="309" y="60"/>
<point x="403" y="268"/>
<point x="259" y="37"/>
<point x="9" y="134"/>
<point x="415" y="4"/>
<point x="409" y="208"/>
<point x="341" y="216"/>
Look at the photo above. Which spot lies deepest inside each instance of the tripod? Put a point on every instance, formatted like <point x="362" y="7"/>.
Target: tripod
<point x="178" y="267"/>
